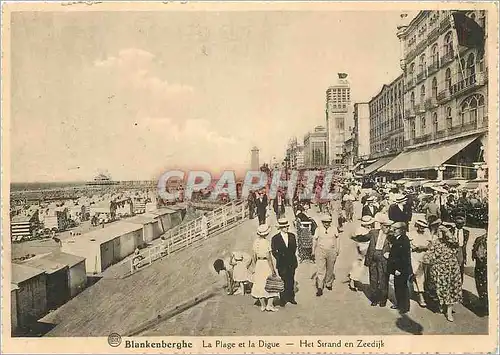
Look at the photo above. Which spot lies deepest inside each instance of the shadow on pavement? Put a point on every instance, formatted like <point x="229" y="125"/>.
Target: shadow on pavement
<point x="473" y="304"/>
<point x="408" y="325"/>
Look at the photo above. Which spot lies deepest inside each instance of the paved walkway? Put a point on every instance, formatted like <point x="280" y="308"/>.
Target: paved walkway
<point x="119" y="305"/>
<point x="340" y="311"/>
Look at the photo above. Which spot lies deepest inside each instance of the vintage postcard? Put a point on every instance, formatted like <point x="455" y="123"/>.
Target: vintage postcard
<point x="239" y="178"/>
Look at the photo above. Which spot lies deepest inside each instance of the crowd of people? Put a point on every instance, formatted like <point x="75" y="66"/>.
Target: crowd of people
<point x="425" y="257"/>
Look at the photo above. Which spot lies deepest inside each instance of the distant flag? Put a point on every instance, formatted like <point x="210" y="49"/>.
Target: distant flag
<point x="342" y="75"/>
<point x="404" y="15"/>
<point x="469" y="33"/>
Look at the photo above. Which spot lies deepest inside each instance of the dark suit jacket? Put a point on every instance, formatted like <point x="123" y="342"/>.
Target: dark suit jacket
<point x="261" y="206"/>
<point x="366" y="211"/>
<point x="275" y="205"/>
<point x="400" y="256"/>
<point x="396" y="215"/>
<point x="285" y="256"/>
<point x="373" y="243"/>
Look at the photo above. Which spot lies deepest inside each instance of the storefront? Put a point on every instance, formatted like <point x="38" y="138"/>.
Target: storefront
<point x="456" y="159"/>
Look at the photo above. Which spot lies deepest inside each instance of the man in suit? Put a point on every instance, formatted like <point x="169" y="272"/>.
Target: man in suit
<point x="279" y="205"/>
<point x="283" y="247"/>
<point x="399" y="264"/>
<point x="369" y="209"/>
<point x="261" y="204"/>
<point x="376" y="261"/>
<point x="400" y="211"/>
<point x="462" y="235"/>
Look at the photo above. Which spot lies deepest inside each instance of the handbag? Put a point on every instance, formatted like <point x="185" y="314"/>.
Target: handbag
<point x="274" y="284"/>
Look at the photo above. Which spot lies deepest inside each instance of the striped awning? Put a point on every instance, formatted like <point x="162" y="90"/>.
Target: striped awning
<point x="427" y="158"/>
<point x="370" y="169"/>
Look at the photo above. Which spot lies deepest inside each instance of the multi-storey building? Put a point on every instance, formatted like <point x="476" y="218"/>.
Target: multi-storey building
<point x="386" y="132"/>
<point x="295" y="154"/>
<point x="338" y="118"/>
<point x="446" y="116"/>
<point x="315" y="147"/>
<point x="361" y="143"/>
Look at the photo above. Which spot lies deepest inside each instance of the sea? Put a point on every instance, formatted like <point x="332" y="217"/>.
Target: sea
<point x="33" y="186"/>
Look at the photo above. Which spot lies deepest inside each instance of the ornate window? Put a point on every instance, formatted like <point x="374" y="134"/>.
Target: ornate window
<point x="449" y="118"/>
<point x="412" y="129"/>
<point x="422" y="125"/>
<point x="434" y="88"/>
<point x="422" y="64"/>
<point x="471" y="65"/>
<point x="422" y="93"/>
<point x="435" y="54"/>
<point x="447" y="79"/>
<point x="472" y="109"/>
<point x="412" y="99"/>
<point x="448" y="44"/>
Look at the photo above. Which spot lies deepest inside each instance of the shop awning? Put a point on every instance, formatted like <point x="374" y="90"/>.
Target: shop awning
<point x="427" y="158"/>
<point x="377" y="165"/>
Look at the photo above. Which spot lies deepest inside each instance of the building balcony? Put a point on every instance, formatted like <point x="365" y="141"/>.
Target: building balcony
<point x="433" y="34"/>
<point x="422" y="139"/>
<point x="467" y="84"/>
<point x="431" y="69"/>
<point x="444" y="24"/>
<point x="409" y="112"/>
<point x="430" y="103"/>
<point x="443" y="96"/>
<point x="419" y="108"/>
<point x="448" y="57"/>
<point x="410" y="83"/>
<point x="420" y="77"/>
<point x="439" y="134"/>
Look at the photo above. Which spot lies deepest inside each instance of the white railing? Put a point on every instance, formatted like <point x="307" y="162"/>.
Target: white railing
<point x="185" y="235"/>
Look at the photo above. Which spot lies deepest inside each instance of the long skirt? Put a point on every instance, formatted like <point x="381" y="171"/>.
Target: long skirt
<point x="447" y="282"/>
<point x="480" y="275"/>
<point x="358" y="268"/>
<point x="262" y="272"/>
<point x="305" y="243"/>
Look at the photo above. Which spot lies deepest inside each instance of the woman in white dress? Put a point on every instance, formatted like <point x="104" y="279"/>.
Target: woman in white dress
<point x="264" y="268"/>
<point x="362" y="238"/>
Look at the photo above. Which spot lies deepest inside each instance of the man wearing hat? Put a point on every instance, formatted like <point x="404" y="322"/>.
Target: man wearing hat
<point x="369" y="209"/>
<point x="420" y="240"/>
<point x="376" y="261"/>
<point x="399" y="265"/>
<point x="261" y="205"/>
<point x="462" y="235"/>
<point x="284" y="246"/>
<point x="401" y="210"/>
<point x="326" y="246"/>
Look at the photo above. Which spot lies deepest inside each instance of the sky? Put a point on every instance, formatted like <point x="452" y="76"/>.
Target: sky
<point x="140" y="93"/>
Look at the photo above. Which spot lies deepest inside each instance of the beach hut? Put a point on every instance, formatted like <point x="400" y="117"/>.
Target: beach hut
<point x="150" y="225"/>
<point x="75" y="273"/>
<point x="31" y="302"/>
<point x="168" y="218"/>
<point x="104" y="247"/>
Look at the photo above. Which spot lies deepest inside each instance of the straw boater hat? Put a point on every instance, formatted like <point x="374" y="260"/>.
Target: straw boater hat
<point x="263" y="229"/>
<point x="421" y="223"/>
<point x="399" y="225"/>
<point x="460" y="219"/>
<point x="283" y="222"/>
<point x="383" y="219"/>
<point x="401" y="198"/>
<point x="371" y="198"/>
<point x="436" y="221"/>
<point x="326" y="218"/>
<point x="367" y="220"/>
